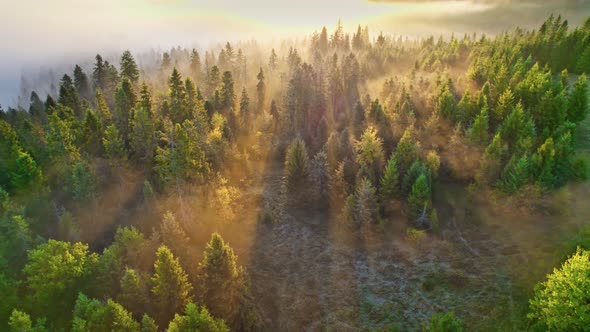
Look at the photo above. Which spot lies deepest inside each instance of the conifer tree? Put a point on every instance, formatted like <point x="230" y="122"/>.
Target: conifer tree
<point x="220" y="279"/>
<point x="99" y="74"/>
<point x="578" y="105"/>
<point x="129" y="67"/>
<point x="102" y="110"/>
<point x="81" y="83"/>
<point x="419" y="203"/>
<point x="260" y="91"/>
<point x="113" y="145"/>
<point x="479" y="131"/>
<point x="125" y="99"/>
<point x="296" y="166"/>
<point x="177" y="98"/>
<point x="195" y="65"/>
<point x="245" y="109"/>
<point x="68" y="96"/>
<point x="142" y="139"/>
<point x="171" y="289"/>
<point x="390" y="181"/>
<point x="196" y="319"/>
<point x="369" y="154"/>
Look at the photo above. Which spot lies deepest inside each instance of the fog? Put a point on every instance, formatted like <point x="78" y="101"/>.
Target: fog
<point x="41" y="39"/>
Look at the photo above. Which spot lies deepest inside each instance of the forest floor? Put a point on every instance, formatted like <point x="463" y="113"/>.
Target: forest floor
<point x="310" y="272"/>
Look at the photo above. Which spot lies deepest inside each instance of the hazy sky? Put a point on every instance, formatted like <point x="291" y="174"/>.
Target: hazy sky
<point x="35" y="33"/>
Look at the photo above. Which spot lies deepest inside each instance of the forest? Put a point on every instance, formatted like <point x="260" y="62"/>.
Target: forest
<point x="344" y="181"/>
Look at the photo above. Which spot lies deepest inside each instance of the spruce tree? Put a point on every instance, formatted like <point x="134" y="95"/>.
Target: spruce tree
<point x="171" y="289"/>
<point x="390" y="181"/>
<point x="260" y="91"/>
<point x="578" y="105"/>
<point x="129" y="67"/>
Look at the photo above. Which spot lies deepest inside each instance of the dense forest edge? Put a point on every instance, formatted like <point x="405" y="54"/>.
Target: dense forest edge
<point x="363" y="183"/>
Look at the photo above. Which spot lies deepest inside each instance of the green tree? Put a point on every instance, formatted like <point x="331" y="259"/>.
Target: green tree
<point x="561" y="302"/>
<point x="195" y="65"/>
<point x="446" y="322"/>
<point x="125" y="100"/>
<point x="369" y="154"/>
<point x="145" y="100"/>
<point x="129" y="67"/>
<point x="148" y="324"/>
<point x="171" y="288"/>
<point x="91" y="135"/>
<point x="390" y="181"/>
<point x="93" y="315"/>
<point x="406" y="151"/>
<point x="419" y="200"/>
<point x="21" y="322"/>
<point x="102" y="110"/>
<point x="479" y="131"/>
<point x="142" y="138"/>
<point x="515" y="175"/>
<point x="134" y="294"/>
<point x="99" y="74"/>
<point x="68" y="96"/>
<point x="26" y="173"/>
<point x="196" y="319"/>
<point x="245" y="110"/>
<point x="55" y="272"/>
<point x="296" y="165"/>
<point x="177" y="98"/>
<point x="220" y="279"/>
<point x="81" y="83"/>
<point x="228" y="95"/>
<point x="113" y="145"/>
<point x="260" y="91"/>
<point x="578" y="100"/>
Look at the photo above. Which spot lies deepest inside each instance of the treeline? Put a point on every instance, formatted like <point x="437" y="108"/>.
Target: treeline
<point x="507" y="122"/>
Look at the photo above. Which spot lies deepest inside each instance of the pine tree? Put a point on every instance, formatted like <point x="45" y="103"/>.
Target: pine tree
<point x="478" y="133"/>
<point x="515" y="175"/>
<point x="113" y="145"/>
<point x="54" y="271"/>
<point x="99" y="74"/>
<point x="125" y="99"/>
<point x="296" y="166"/>
<point x="133" y="295"/>
<point x="26" y="173"/>
<point x="129" y="67"/>
<point x="68" y="96"/>
<point x="260" y="91"/>
<point x="273" y="60"/>
<point x="227" y="91"/>
<point x="390" y="181"/>
<point x="368" y="207"/>
<point x="148" y="324"/>
<point x="177" y="98"/>
<point x="220" y="278"/>
<point x="196" y="319"/>
<point x="578" y="105"/>
<point x="369" y="154"/>
<point x="171" y="289"/>
<point x="142" y="139"/>
<point x="406" y="151"/>
<point x="195" y="65"/>
<point x="419" y="203"/>
<point x="245" y="109"/>
<point x="102" y="110"/>
<point x="82" y="84"/>
<point x="145" y="100"/>
<point x="91" y="133"/>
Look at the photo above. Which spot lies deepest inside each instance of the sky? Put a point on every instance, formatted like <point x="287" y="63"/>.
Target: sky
<point x="41" y="34"/>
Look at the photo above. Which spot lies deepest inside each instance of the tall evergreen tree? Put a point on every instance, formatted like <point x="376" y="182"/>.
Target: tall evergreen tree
<point x="260" y="91"/>
<point x="171" y="289"/>
<point x="129" y="67"/>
